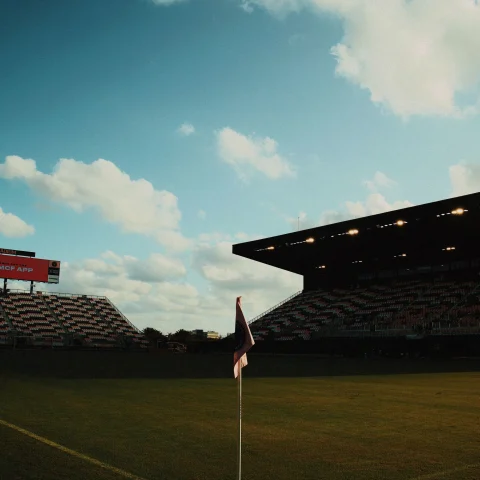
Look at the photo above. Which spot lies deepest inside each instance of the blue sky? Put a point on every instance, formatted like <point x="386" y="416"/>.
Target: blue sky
<point x="277" y="126"/>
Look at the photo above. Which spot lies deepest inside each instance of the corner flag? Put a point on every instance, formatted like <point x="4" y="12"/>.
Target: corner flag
<point x="243" y="340"/>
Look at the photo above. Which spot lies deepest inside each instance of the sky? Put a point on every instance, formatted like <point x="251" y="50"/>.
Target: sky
<point x="140" y="139"/>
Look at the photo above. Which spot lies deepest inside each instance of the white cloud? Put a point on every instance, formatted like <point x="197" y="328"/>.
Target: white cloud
<point x="415" y="57"/>
<point x="135" y="205"/>
<point x="465" y="179"/>
<point x="246" y="7"/>
<point x="379" y="181"/>
<point x="14" y="227"/>
<point x="153" y="292"/>
<point x="202" y="214"/>
<point x="374" y="203"/>
<point x="186" y="129"/>
<point x="300" y="222"/>
<point x="166" y="3"/>
<point x="247" y="154"/>
<point x="229" y="276"/>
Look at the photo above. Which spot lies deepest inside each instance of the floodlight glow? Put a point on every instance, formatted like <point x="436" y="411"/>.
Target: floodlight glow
<point x="400" y="223"/>
<point x="310" y="240"/>
<point x="353" y="231"/>
<point x="458" y="211"/>
<point x="270" y="248"/>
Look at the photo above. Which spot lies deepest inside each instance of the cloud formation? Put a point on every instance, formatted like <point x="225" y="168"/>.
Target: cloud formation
<point x="465" y="179"/>
<point x="166" y="3"/>
<point x="186" y="129"/>
<point x="379" y="181"/>
<point x="374" y="203"/>
<point x="154" y="292"/>
<point x="416" y="57"/>
<point x="134" y="205"/>
<point x="12" y="226"/>
<point x="248" y="154"/>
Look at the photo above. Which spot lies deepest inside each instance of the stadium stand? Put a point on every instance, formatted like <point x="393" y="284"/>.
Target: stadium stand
<point x="395" y="308"/>
<point x="402" y="273"/>
<point x="61" y="319"/>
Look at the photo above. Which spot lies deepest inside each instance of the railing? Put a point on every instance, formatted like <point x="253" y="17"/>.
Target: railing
<point x="123" y="316"/>
<point x="276" y="306"/>
<point x="58" y="294"/>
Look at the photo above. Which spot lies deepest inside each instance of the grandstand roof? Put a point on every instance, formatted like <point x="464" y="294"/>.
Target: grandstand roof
<point x="444" y="229"/>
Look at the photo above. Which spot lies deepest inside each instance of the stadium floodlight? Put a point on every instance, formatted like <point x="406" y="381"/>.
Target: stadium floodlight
<point x="458" y="211"/>
<point x="321" y="266"/>
<point x="448" y="249"/>
<point x="270" y="248"/>
<point x="400" y="223"/>
<point x="310" y="240"/>
<point x="353" y="231"/>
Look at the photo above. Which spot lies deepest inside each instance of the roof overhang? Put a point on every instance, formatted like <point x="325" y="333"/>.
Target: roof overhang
<point x="430" y="225"/>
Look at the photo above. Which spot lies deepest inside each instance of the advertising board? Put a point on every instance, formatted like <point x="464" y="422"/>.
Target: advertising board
<point x="22" y="253"/>
<point x="29" y="269"/>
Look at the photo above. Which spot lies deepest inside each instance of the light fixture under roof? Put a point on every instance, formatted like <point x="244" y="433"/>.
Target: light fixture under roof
<point x="458" y="211"/>
<point x="310" y="240"/>
<point x="270" y="248"/>
<point x="353" y="231"/>
<point x="400" y="223"/>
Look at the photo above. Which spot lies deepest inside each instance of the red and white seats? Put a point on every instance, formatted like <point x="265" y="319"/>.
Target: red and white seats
<point x="50" y="316"/>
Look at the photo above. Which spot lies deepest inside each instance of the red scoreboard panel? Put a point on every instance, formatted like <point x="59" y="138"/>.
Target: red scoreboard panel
<point x="29" y="269"/>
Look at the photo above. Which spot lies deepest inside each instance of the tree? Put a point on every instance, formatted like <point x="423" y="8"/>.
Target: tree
<point x="181" y="336"/>
<point x="154" y="335"/>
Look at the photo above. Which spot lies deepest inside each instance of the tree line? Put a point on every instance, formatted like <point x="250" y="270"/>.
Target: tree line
<point x="180" y="336"/>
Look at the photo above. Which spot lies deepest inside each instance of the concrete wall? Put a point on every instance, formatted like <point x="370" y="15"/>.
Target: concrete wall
<point x="78" y="364"/>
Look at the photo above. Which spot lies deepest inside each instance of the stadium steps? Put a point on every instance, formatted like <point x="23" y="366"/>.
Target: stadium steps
<point x="89" y="304"/>
<point x="3" y="314"/>
<point x="125" y="319"/>
<point x="54" y="315"/>
<point x="266" y="312"/>
<point x="418" y="298"/>
<point x="462" y="302"/>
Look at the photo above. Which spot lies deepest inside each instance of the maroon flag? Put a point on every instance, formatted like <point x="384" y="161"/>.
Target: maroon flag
<point x="243" y="340"/>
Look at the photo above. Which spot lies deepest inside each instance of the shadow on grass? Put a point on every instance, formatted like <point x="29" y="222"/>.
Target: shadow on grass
<point x="75" y="364"/>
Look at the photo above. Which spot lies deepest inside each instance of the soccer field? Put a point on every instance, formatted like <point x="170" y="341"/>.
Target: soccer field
<point x="417" y="426"/>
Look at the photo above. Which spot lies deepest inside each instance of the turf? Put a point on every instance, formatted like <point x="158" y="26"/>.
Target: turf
<point x="397" y="427"/>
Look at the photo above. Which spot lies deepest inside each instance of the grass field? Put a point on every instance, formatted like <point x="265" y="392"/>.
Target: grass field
<point x="423" y="426"/>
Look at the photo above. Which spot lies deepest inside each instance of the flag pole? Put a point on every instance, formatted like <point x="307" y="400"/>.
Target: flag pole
<point x="244" y="342"/>
<point x="239" y="477"/>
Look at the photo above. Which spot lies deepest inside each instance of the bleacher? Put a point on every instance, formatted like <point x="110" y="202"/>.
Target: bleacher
<point x="63" y="320"/>
<point x="399" y="307"/>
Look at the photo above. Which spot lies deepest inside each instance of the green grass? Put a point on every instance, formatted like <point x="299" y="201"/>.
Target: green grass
<point x="395" y="427"/>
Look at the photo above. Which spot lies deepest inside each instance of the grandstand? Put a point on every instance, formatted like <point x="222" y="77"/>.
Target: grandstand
<point x="408" y="272"/>
<point x="44" y="319"/>
<point x="63" y="320"/>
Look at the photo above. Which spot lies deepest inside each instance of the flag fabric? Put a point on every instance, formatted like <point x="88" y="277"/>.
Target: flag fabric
<point x="243" y="340"/>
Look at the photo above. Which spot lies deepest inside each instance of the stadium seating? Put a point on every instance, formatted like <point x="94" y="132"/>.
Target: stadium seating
<point x="52" y="318"/>
<point x="399" y="306"/>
